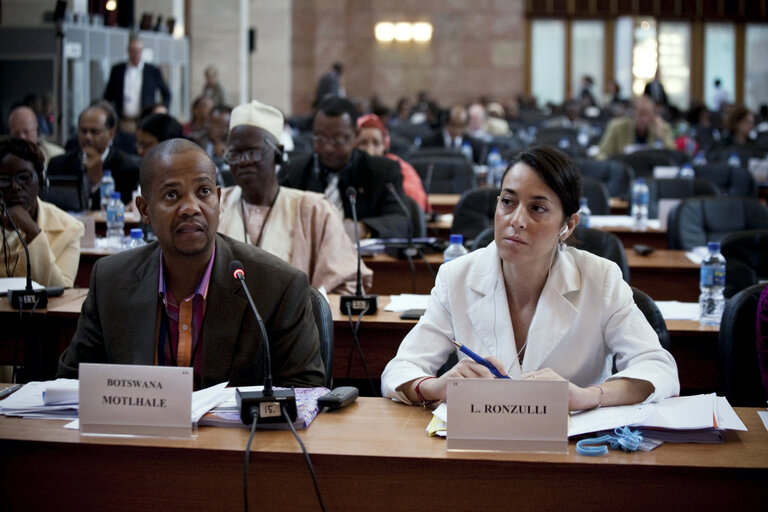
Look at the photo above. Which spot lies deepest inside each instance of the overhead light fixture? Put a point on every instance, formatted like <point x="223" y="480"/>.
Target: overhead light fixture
<point x="403" y="31"/>
<point x="385" y="31"/>
<point x="111" y="5"/>
<point x="422" y="31"/>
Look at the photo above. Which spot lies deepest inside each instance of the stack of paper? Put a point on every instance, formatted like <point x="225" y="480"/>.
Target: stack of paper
<point x="28" y="401"/>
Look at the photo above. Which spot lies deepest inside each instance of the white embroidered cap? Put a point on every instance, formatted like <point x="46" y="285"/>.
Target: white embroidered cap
<point x="258" y="114"/>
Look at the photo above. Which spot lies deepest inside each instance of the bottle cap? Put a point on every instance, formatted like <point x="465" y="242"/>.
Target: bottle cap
<point x="107" y="172"/>
<point x="457" y="239"/>
<point x="713" y="246"/>
<point x="137" y="233"/>
<point x="116" y="195"/>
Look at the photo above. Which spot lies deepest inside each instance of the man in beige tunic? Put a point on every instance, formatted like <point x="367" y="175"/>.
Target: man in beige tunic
<point x="300" y="227"/>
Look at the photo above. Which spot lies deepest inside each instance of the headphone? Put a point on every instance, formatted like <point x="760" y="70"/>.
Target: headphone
<point x="281" y="157"/>
<point x="563" y="231"/>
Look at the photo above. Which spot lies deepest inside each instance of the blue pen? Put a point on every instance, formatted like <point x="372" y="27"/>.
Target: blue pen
<point x="481" y="360"/>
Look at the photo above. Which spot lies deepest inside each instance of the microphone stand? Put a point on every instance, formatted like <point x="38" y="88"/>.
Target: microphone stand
<point x="359" y="302"/>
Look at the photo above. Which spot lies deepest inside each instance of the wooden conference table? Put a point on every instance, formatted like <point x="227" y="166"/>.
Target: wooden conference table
<point x="372" y="455"/>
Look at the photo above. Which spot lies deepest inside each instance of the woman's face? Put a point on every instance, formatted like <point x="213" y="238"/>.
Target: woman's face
<point x="144" y="142"/>
<point x="371" y="141"/>
<point x="529" y="218"/>
<point x="19" y="184"/>
<point x="745" y="125"/>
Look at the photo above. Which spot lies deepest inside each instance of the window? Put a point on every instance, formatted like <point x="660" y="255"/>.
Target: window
<point x="548" y="61"/>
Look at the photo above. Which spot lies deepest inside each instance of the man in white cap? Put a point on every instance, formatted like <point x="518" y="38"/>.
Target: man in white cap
<point x="302" y="228"/>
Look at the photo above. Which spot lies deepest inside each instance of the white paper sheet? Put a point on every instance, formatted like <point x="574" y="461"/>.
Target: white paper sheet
<point x="619" y="221"/>
<point x="675" y="310"/>
<point x="406" y="301"/>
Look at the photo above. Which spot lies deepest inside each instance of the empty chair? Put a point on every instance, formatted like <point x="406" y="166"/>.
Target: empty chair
<point x="616" y="175"/>
<point x="601" y="243"/>
<point x="732" y="181"/>
<point x="554" y="135"/>
<point x="321" y="310"/>
<point x="411" y="131"/>
<point x="399" y="145"/>
<point x="746" y="259"/>
<point x="66" y="192"/>
<point x="597" y="195"/>
<point x="698" y="220"/>
<point x="485" y="237"/>
<point x="418" y="219"/>
<point x="448" y="173"/>
<point x="643" y="162"/>
<point x="676" y="188"/>
<point x="721" y="154"/>
<point x="474" y="212"/>
<point x="508" y="145"/>
<point x="739" y="376"/>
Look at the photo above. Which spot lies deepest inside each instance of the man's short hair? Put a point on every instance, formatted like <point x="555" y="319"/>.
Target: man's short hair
<point x="161" y="126"/>
<point x="334" y="106"/>
<point x="161" y="151"/>
<point x="107" y="108"/>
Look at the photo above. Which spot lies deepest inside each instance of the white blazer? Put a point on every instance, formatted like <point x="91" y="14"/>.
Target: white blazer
<point x="585" y="316"/>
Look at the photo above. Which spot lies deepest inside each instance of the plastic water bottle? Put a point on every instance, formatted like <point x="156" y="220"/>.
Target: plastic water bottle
<point x="734" y="160"/>
<point x="700" y="158"/>
<point x="690" y="144"/>
<point x="106" y="187"/>
<point x="640" y="203"/>
<point x="564" y="143"/>
<point x="137" y="238"/>
<point x="686" y="172"/>
<point x="495" y="166"/>
<point x="712" y="284"/>
<point x="584" y="212"/>
<point x="466" y="150"/>
<point x="583" y="136"/>
<point x="115" y="222"/>
<point x="455" y="248"/>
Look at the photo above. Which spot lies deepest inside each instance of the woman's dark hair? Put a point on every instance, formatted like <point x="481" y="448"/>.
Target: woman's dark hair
<point x="161" y="126"/>
<point x="24" y="150"/>
<point x="557" y="170"/>
<point x="735" y="115"/>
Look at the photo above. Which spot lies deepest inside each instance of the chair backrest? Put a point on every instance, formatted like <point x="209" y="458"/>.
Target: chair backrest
<point x="485" y="237"/>
<point x="66" y="192"/>
<point x="739" y="377"/>
<point x="411" y="131"/>
<point x="617" y="176"/>
<point x="443" y="173"/>
<point x="723" y="153"/>
<point x="676" y="188"/>
<point x="598" y="197"/>
<point x="732" y="181"/>
<point x="746" y="259"/>
<point x="643" y="161"/>
<point x="474" y="212"/>
<point x="324" y="320"/>
<point x="601" y="243"/>
<point x="698" y="220"/>
<point x="418" y="219"/>
<point x="653" y="315"/>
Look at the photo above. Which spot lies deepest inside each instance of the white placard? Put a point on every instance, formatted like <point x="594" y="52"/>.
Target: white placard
<point x="135" y="400"/>
<point x="665" y="171"/>
<point x="508" y="415"/>
<point x="73" y="50"/>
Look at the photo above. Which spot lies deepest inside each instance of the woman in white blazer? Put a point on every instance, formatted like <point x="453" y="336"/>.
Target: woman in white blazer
<point x="535" y="308"/>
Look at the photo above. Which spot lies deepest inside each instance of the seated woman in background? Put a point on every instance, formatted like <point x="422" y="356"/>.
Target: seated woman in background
<point x="154" y="129"/>
<point x="534" y="307"/>
<point x="373" y="138"/>
<point x="52" y="235"/>
<point x="740" y="122"/>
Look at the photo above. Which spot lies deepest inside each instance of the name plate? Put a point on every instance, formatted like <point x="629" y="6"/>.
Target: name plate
<point x="508" y="415"/>
<point x="117" y="399"/>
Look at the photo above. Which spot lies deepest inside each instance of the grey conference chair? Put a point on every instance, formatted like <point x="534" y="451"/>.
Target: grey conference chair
<point x="698" y="220"/>
<point x="443" y="172"/>
<point x="746" y="259"/>
<point x="617" y="176"/>
<point x="732" y="181"/>
<point x="324" y="320"/>
<point x="474" y="212"/>
<point x="598" y="197"/>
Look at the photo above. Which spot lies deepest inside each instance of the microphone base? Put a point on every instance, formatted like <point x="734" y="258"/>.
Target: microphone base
<point x="269" y="407"/>
<point x="358" y="304"/>
<point x="28" y="299"/>
<point x="402" y="251"/>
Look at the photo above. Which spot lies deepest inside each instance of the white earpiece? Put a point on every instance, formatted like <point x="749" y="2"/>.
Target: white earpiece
<point x="565" y="229"/>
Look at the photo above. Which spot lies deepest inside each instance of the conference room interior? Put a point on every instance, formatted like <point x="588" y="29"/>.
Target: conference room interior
<point x="529" y="73"/>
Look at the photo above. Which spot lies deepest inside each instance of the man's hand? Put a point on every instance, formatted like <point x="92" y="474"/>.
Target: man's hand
<point x="93" y="164"/>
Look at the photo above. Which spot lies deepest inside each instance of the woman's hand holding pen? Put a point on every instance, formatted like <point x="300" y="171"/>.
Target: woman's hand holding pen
<point x="466" y="368"/>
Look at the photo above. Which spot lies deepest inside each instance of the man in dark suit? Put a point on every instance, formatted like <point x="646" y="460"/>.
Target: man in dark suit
<point x="655" y="89"/>
<point x="174" y="302"/>
<point x="330" y="84"/>
<point x="95" y="131"/>
<point x="133" y="86"/>
<point x="453" y="135"/>
<point x="337" y="164"/>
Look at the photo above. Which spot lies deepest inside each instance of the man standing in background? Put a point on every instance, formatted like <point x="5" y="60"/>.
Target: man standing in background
<point x="134" y="85"/>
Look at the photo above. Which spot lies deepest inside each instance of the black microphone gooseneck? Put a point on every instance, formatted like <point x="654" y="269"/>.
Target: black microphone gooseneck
<point x="359" y="302"/>
<point x="28" y="298"/>
<point x="262" y="406"/>
<point x="401" y="203"/>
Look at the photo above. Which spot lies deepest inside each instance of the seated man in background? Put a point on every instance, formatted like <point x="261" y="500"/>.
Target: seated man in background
<point x="299" y="227"/>
<point x="22" y="124"/>
<point x="336" y="164"/>
<point x="645" y="128"/>
<point x="52" y="235"/>
<point x="95" y="132"/>
<point x="175" y="302"/>
<point x="453" y="135"/>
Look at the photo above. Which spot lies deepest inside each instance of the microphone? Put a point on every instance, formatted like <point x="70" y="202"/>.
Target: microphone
<point x="358" y="303"/>
<point x="397" y="250"/>
<point x="265" y="406"/>
<point x="27" y="298"/>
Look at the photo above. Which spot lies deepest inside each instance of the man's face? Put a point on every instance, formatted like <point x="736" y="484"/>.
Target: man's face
<point x="644" y="113"/>
<point x="23" y="125"/>
<point x="334" y="140"/>
<point x="251" y="159"/>
<point x="218" y="125"/>
<point x="457" y="122"/>
<point x="92" y="130"/>
<point x="135" y="49"/>
<point x="182" y="204"/>
<point x="18" y="183"/>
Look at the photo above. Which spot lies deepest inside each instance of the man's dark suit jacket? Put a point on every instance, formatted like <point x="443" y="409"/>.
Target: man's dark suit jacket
<point x="118" y="323"/>
<point x="369" y="175"/>
<point x="151" y="81"/>
<point x="437" y="140"/>
<point x="124" y="167"/>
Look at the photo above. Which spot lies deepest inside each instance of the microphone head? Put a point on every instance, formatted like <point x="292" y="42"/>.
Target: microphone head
<point x="351" y="193"/>
<point x="236" y="268"/>
<point x="390" y="188"/>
